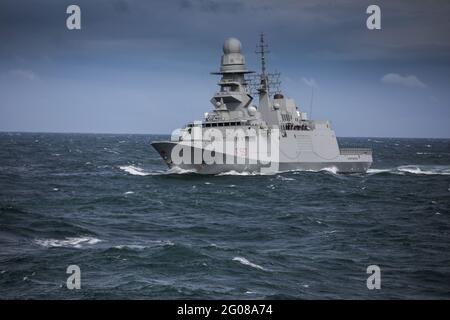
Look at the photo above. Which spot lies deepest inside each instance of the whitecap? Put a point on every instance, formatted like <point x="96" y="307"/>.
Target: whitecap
<point x="423" y="153"/>
<point x="375" y="171"/>
<point x="238" y="173"/>
<point x="130" y="246"/>
<point x="162" y="243"/>
<point x="129" y="192"/>
<point x="68" y="242"/>
<point x="248" y="263"/>
<point x="178" y="170"/>
<point x="332" y="169"/>
<point x="149" y="244"/>
<point x="136" y="171"/>
<point x="425" y="170"/>
<point x="414" y="169"/>
<point x="285" y="178"/>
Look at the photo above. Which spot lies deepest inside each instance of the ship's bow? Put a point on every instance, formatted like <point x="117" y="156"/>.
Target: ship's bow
<point x="164" y="148"/>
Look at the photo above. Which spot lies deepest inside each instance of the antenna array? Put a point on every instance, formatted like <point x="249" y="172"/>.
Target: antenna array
<point x="263" y="82"/>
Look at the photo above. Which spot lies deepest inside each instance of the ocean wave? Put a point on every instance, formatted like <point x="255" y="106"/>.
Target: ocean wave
<point x="138" y="171"/>
<point x="177" y="170"/>
<point x="244" y="261"/>
<point x="149" y="244"/>
<point x="130" y="246"/>
<point x="375" y="171"/>
<point x="332" y="170"/>
<point x="134" y="170"/>
<point x="405" y="169"/>
<point x="282" y="178"/>
<point x="69" y="242"/>
<point x="425" y="170"/>
<point x="413" y="169"/>
<point x="238" y="173"/>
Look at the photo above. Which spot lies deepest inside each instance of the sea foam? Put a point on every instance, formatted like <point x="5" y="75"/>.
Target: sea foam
<point x="425" y="170"/>
<point x="69" y="242"/>
<point x="413" y="169"/>
<point x="134" y="170"/>
<point x="148" y="244"/>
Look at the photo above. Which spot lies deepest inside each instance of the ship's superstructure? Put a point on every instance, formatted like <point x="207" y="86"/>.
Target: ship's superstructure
<point x="292" y="141"/>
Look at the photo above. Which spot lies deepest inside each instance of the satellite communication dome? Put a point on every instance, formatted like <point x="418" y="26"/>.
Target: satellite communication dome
<point x="232" y="45"/>
<point x="252" y="110"/>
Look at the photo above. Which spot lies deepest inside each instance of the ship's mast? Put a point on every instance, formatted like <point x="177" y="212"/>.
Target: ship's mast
<point x="265" y="82"/>
<point x="261" y="49"/>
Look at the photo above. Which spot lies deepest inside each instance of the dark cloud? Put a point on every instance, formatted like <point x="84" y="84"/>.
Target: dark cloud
<point x="322" y="40"/>
<point x="121" y="6"/>
<point x="213" y="6"/>
<point x="326" y="29"/>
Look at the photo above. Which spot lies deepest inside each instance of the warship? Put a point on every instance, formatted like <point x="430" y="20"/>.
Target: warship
<point x="272" y="135"/>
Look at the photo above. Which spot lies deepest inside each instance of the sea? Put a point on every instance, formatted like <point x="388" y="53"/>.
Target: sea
<point x="106" y="204"/>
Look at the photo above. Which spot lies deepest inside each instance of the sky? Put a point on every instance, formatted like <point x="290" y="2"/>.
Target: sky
<point x="144" y="66"/>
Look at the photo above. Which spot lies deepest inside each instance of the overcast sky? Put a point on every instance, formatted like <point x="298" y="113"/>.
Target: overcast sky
<point x="143" y="66"/>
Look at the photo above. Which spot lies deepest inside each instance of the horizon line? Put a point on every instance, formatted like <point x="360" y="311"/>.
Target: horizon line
<point x="168" y="134"/>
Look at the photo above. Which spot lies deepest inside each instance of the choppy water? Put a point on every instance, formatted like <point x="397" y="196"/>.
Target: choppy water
<point x="107" y="204"/>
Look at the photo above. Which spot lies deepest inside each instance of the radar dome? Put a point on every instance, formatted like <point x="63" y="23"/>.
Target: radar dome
<point x="232" y="45"/>
<point x="252" y="110"/>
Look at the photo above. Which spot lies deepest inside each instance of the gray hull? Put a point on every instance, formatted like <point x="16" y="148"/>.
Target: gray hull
<point x="341" y="164"/>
